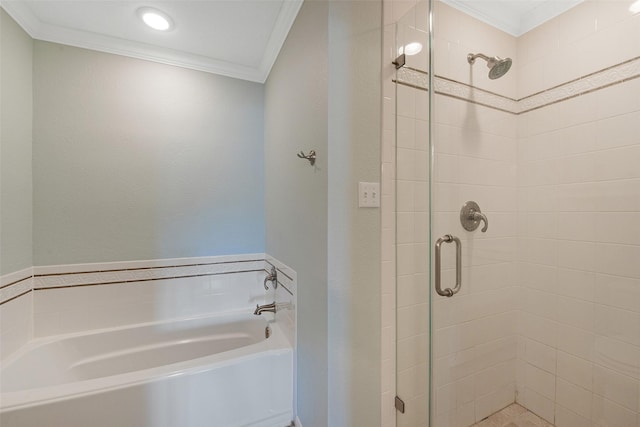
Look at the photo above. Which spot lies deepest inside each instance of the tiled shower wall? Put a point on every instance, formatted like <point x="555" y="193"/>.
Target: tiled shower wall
<point x="551" y="301"/>
<point x="475" y="332"/>
<point x="579" y="246"/>
<point x="579" y="221"/>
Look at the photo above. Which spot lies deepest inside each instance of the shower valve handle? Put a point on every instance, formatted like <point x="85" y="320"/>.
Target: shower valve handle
<point x="471" y="215"/>
<point x="479" y="216"/>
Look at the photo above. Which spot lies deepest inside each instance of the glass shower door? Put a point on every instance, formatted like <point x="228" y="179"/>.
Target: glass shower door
<point x="474" y="224"/>
<point x="548" y="314"/>
<point x="412" y="217"/>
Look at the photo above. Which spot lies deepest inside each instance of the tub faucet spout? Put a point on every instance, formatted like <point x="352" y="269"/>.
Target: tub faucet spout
<point x="270" y="308"/>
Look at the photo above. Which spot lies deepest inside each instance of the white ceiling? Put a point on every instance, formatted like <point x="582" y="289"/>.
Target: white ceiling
<point x="236" y="38"/>
<point x="515" y="17"/>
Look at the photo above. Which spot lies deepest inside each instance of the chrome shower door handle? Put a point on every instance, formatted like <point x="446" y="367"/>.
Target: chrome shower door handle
<point x="448" y="292"/>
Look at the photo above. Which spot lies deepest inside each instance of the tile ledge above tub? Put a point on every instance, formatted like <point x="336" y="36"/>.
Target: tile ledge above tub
<point x="16" y="284"/>
<point x="91" y="274"/>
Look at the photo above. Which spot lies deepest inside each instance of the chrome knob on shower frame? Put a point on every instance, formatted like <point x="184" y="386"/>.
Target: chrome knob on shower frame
<point x="471" y="215"/>
<point x="448" y="292"/>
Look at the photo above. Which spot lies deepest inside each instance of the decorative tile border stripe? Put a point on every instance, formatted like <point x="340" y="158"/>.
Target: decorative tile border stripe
<point x="454" y="89"/>
<point x="285" y="301"/>
<point x="601" y="79"/>
<point x="287" y="277"/>
<point x="143" y="274"/>
<point x="15" y="284"/>
<point x="285" y="282"/>
<point x="411" y="77"/>
<point x="16" y="276"/>
<point x="143" y="264"/>
<point x="15" y="290"/>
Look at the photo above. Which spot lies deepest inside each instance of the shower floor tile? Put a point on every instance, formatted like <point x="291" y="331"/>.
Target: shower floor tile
<point x="513" y="416"/>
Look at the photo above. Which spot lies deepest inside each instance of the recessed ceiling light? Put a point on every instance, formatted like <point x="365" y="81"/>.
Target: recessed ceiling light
<point x="635" y="7"/>
<point x="155" y="19"/>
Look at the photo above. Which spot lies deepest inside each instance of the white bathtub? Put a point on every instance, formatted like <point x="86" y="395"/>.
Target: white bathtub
<point x="216" y="371"/>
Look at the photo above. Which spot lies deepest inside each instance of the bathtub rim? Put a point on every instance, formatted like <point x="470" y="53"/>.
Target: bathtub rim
<point x="40" y="341"/>
<point x="276" y="344"/>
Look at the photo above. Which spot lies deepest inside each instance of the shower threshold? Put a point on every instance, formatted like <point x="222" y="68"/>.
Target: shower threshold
<point x="513" y="416"/>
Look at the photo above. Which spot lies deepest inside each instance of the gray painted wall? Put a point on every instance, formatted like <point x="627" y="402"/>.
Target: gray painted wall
<point x="324" y="94"/>
<point x="136" y="160"/>
<point x="139" y="160"/>
<point x="16" y="114"/>
<point x="296" y="117"/>
<point x="355" y="51"/>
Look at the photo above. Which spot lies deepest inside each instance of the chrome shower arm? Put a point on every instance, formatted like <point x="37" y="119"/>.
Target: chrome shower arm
<point x="471" y="58"/>
<point x="498" y="67"/>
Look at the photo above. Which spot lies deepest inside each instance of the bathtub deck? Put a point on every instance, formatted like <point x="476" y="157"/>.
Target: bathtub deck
<point x="513" y="416"/>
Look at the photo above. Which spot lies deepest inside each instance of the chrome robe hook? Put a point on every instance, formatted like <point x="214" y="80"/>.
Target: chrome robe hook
<point x="311" y="156"/>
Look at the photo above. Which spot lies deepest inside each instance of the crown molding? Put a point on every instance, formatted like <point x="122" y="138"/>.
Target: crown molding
<point x="286" y="17"/>
<point x="507" y="26"/>
<point x="39" y="30"/>
<point x="516" y="27"/>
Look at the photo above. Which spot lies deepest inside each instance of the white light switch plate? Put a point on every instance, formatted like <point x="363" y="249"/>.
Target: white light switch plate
<point x="369" y="194"/>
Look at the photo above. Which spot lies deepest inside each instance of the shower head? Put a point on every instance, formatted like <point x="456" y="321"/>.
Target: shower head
<point x="498" y="67"/>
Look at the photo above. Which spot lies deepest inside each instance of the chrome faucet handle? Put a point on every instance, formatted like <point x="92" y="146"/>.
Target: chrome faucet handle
<point x="471" y="215"/>
<point x="479" y="216"/>
<point x="271" y="277"/>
